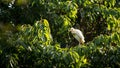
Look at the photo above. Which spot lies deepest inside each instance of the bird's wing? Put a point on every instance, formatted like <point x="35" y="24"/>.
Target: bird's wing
<point x="80" y="35"/>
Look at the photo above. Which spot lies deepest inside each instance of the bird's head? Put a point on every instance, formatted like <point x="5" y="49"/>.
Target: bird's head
<point x="71" y="29"/>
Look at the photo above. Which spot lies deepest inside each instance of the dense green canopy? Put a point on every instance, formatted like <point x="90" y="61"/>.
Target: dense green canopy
<point x="34" y="33"/>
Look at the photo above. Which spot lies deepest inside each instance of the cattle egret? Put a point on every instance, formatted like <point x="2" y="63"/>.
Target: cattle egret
<point x="78" y="35"/>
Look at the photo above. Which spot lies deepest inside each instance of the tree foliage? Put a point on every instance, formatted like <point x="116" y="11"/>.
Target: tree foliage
<point x="32" y="33"/>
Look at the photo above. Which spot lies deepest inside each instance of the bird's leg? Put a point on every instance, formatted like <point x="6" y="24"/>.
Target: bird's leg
<point x="79" y="43"/>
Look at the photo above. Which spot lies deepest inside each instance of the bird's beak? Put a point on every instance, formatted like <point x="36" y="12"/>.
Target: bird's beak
<point x="69" y="30"/>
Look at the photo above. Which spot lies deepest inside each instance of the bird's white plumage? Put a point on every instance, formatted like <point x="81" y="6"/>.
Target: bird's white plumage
<point x="78" y="35"/>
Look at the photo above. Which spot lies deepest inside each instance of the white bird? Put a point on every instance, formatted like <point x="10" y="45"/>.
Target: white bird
<point x="78" y="35"/>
